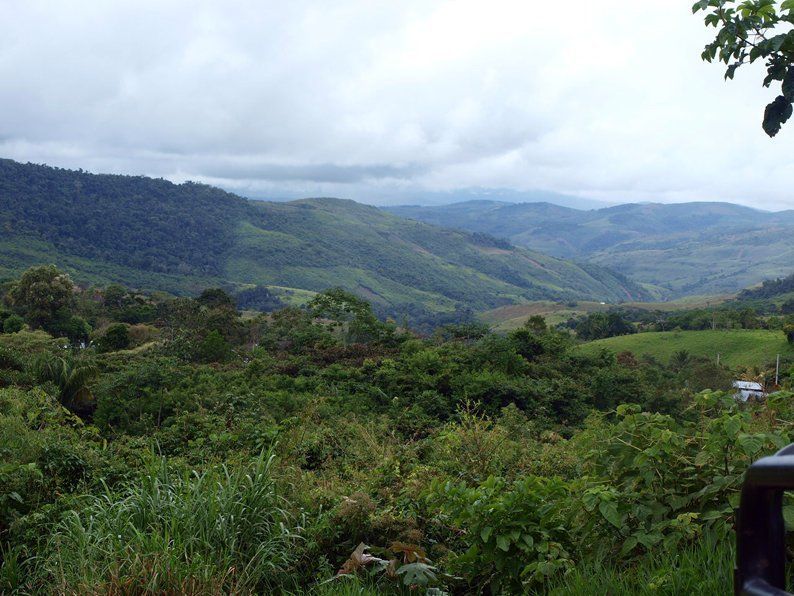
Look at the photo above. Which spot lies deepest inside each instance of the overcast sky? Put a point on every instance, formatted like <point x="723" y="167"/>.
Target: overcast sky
<point x="389" y="102"/>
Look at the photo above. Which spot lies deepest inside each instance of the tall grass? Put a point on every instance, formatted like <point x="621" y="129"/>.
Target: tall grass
<point x="210" y="533"/>
<point x="705" y="567"/>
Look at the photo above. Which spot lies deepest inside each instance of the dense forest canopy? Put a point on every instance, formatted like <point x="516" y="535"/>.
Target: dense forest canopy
<point x="156" y="235"/>
<point x="696" y="248"/>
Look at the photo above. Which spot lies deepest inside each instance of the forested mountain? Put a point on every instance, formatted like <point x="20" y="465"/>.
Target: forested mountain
<point x="157" y="235"/>
<point x="680" y="249"/>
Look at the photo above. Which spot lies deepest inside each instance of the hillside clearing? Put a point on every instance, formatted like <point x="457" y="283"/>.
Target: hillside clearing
<point x="737" y="348"/>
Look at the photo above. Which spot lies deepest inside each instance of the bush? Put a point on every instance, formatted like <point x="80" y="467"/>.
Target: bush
<point x="515" y="533"/>
<point x="116" y="337"/>
<point x="213" y="348"/>
<point x="13" y="324"/>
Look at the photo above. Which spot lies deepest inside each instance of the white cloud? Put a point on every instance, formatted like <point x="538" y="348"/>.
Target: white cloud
<point x="379" y="100"/>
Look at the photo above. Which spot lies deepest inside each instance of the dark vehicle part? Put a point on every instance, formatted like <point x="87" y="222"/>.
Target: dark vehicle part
<point x="760" y="529"/>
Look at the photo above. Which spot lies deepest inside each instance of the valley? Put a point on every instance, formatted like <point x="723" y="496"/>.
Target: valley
<point x="674" y="250"/>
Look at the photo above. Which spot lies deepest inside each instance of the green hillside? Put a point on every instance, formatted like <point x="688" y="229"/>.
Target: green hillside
<point x="737" y="348"/>
<point x="513" y="316"/>
<point x="153" y="234"/>
<point x="676" y="250"/>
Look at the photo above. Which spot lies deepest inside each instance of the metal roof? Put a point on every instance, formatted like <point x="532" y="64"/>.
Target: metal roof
<point x="749" y="385"/>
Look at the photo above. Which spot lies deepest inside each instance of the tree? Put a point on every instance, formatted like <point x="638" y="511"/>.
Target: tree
<point x="787" y="308"/>
<point x="788" y="329"/>
<point x="348" y="310"/>
<point x="749" y="30"/>
<point x="536" y="323"/>
<point x="114" y="297"/>
<point x="599" y="325"/>
<point x="258" y="298"/>
<point x="680" y="359"/>
<point x="116" y="337"/>
<point x="71" y="377"/>
<point x="213" y="348"/>
<point x="76" y="329"/>
<point x="42" y="295"/>
<point x="216" y="298"/>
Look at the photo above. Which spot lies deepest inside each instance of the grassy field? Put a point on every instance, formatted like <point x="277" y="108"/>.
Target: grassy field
<point x="507" y="318"/>
<point x="513" y="316"/>
<point x="737" y="348"/>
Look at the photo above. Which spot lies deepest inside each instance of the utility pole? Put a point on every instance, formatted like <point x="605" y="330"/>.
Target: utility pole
<point x="777" y="370"/>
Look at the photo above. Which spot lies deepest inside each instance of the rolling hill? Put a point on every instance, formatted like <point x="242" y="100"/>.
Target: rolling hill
<point x="153" y="234"/>
<point x="676" y="250"/>
<point x="737" y="347"/>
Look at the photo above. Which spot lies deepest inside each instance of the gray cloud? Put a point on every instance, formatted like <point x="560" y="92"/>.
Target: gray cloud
<point x="388" y="101"/>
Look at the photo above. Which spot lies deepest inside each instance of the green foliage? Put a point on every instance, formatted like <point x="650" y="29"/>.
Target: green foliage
<point x="788" y="330"/>
<point x="76" y="329"/>
<point x="116" y="337"/>
<point x="215" y="298"/>
<point x="705" y="567"/>
<point x="599" y="325"/>
<point x="182" y="238"/>
<point x="461" y="462"/>
<point x="516" y="534"/>
<point x="13" y="324"/>
<point x="219" y="531"/>
<point x="352" y="315"/>
<point x="750" y="30"/>
<point x="71" y="377"/>
<point x="674" y="250"/>
<point x="41" y="294"/>
<point x="213" y="348"/>
<point x="258" y="298"/>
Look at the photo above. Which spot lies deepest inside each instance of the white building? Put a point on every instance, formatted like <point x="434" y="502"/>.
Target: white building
<point x="747" y="390"/>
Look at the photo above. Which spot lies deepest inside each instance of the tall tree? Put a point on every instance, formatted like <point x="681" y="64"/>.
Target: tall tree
<point x="750" y="30"/>
<point x="42" y="295"/>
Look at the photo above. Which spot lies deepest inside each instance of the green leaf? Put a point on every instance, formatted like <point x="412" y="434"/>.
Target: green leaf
<point x="711" y="515"/>
<point x="788" y="516"/>
<point x="503" y="542"/>
<point x="649" y="540"/>
<point x="629" y="545"/>
<point x="610" y="512"/>
<point x="700" y="5"/>
<point x="702" y="458"/>
<point x="417" y="574"/>
<point x="485" y="533"/>
<point x="750" y="444"/>
<point x="732" y="426"/>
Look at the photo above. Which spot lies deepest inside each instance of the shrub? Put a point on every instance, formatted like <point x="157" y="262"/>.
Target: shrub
<point x="213" y="348"/>
<point x="515" y="533"/>
<point x="116" y="337"/>
<point x="13" y="324"/>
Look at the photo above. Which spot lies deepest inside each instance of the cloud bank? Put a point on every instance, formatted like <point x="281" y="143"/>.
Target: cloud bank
<point x="387" y="102"/>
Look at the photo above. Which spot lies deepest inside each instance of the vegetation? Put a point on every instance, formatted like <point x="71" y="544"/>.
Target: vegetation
<point x="321" y="450"/>
<point x="154" y="235"/>
<point x="674" y="250"/>
<point x="750" y="30"/>
<point x="736" y="348"/>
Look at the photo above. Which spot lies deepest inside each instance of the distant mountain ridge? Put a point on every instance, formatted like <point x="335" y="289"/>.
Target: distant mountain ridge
<point x="676" y="249"/>
<point x="153" y="234"/>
